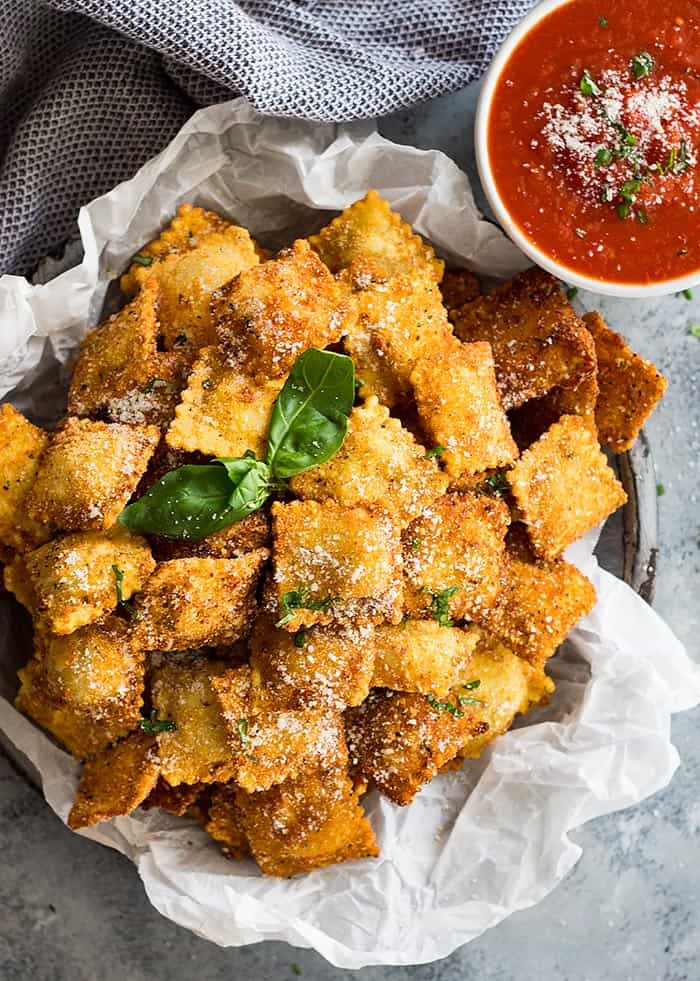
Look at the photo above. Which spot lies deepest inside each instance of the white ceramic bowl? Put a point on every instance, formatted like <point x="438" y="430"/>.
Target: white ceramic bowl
<point x="499" y="207"/>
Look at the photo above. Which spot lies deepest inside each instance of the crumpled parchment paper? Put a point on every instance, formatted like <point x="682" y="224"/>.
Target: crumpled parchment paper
<point x="476" y="844"/>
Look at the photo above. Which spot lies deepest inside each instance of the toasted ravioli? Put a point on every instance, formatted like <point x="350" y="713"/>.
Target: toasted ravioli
<point x="270" y="744"/>
<point x="563" y="486"/>
<point x="335" y="563"/>
<point x="86" y="688"/>
<point x="501" y="686"/>
<point x="540" y="602"/>
<point x="370" y="229"/>
<point x="175" y="800"/>
<point x="197" y="602"/>
<point x="629" y="386"/>
<point x="537" y="340"/>
<point x="459" y="407"/>
<point x="421" y="656"/>
<point x="188" y="281"/>
<point x="186" y="231"/>
<point x="115" y="781"/>
<point x="223" y="821"/>
<point x="72" y="581"/>
<point x="88" y="473"/>
<point x="458" y="286"/>
<point x="395" y="322"/>
<point x="197" y="749"/>
<point x="380" y="463"/>
<point x="270" y="315"/>
<point x="329" y="666"/>
<point x="21" y="445"/>
<point x="455" y="549"/>
<point x="306" y="823"/>
<point x="251" y="533"/>
<point x="118" y="358"/>
<point x="223" y="412"/>
<point x="402" y="739"/>
<point x="576" y="397"/>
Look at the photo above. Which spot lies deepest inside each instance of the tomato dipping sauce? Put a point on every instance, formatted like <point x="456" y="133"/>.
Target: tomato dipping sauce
<point x="594" y="138"/>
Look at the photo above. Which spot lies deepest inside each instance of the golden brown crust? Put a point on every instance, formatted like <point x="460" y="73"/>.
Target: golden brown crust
<point x="115" y="781"/>
<point x="223" y="822"/>
<point x="269" y="315"/>
<point x="88" y="472"/>
<point x="458" y="286"/>
<point x="21" y="445"/>
<point x="175" y="800"/>
<point x="537" y="340"/>
<point x="198" y="602"/>
<point x="461" y="410"/>
<point x="421" y="656"/>
<point x="251" y="533"/>
<point x="563" y="486"/>
<point x="629" y="386"/>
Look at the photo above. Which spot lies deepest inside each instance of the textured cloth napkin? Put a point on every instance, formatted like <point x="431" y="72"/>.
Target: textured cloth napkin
<point x="90" y="89"/>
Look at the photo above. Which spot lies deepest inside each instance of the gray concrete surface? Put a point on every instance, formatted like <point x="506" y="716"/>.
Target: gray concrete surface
<point x="73" y="911"/>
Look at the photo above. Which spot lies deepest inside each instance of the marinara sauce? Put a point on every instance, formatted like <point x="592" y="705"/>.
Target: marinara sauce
<point x="594" y="138"/>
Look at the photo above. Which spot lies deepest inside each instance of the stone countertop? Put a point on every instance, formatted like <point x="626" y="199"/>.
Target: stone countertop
<point x="71" y="910"/>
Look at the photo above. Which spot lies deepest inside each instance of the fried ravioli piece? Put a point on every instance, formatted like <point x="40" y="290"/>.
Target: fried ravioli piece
<point x="335" y="563"/>
<point x="456" y="550"/>
<point x="175" y="800"/>
<point x="71" y="581"/>
<point x="540" y="602"/>
<point x="306" y="823"/>
<point x="88" y="473"/>
<point x="197" y="750"/>
<point x="630" y="387"/>
<point x="185" y="232"/>
<point x="86" y="688"/>
<point x="197" y="602"/>
<point x="421" y="656"/>
<point x="395" y="323"/>
<point x="21" y="445"/>
<point x="402" y="739"/>
<point x="223" y="821"/>
<point x="155" y="403"/>
<point x="271" y="314"/>
<point x="503" y="686"/>
<point x="247" y="535"/>
<point x="189" y="280"/>
<point x="320" y="666"/>
<point x="537" y="340"/>
<point x="370" y="229"/>
<point x="270" y="744"/>
<point x="461" y="410"/>
<point x="576" y="397"/>
<point x="563" y="486"/>
<point x="458" y="286"/>
<point x="115" y="781"/>
<point x="379" y="463"/>
<point x="222" y="411"/>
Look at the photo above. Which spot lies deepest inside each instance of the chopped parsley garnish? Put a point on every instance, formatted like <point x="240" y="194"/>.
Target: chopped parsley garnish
<point x="439" y="706"/>
<point x="660" y="490"/>
<point x="498" y="483"/>
<point x="603" y="21"/>
<point x="118" y="582"/>
<point x="155" y="725"/>
<point x="642" y="64"/>
<point x="588" y="85"/>
<point x="142" y="260"/>
<point x="151" y="384"/>
<point x="298" y="599"/>
<point x="694" y="330"/>
<point x="642" y="216"/>
<point x="359" y="383"/>
<point x="677" y="160"/>
<point x="440" y="605"/>
<point x="687" y="294"/>
<point x="435" y="451"/>
<point x="207" y="384"/>
<point x="300" y="638"/>
<point x="603" y="157"/>
<point x="415" y="543"/>
<point x="571" y="292"/>
<point x="469" y="700"/>
<point x="180" y="340"/>
<point x="296" y="970"/>
<point x="471" y="685"/>
<point x="242" y="727"/>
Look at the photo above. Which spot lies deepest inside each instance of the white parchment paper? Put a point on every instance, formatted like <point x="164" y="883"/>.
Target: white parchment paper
<point x="477" y="844"/>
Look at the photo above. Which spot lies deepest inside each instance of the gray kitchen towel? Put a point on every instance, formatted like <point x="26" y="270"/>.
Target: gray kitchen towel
<point x="90" y="89"/>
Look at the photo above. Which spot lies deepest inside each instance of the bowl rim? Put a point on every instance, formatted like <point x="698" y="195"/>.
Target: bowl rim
<point x="500" y="210"/>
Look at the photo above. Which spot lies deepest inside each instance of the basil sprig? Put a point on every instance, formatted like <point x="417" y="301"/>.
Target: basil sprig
<point x="308" y="426"/>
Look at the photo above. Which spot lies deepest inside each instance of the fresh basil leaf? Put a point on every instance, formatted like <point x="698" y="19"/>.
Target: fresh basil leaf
<point x="310" y="417"/>
<point x="194" y="501"/>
